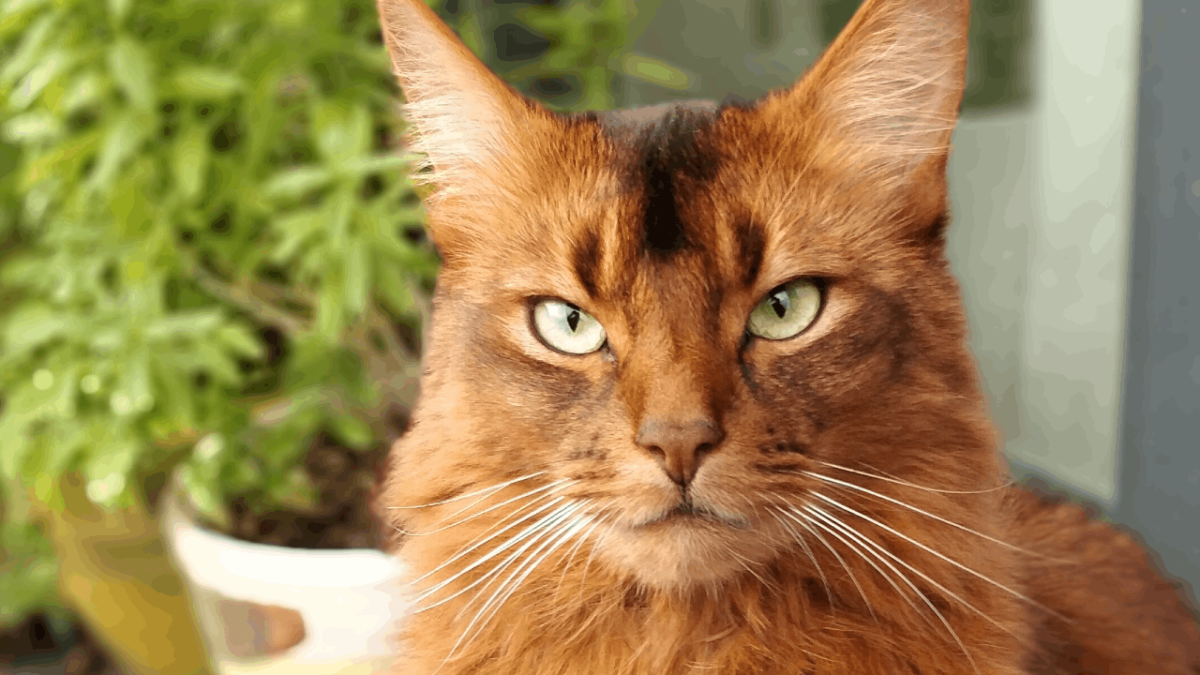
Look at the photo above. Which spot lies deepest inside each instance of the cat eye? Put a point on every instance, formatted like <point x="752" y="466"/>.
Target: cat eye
<point x="567" y="328"/>
<point x="786" y="311"/>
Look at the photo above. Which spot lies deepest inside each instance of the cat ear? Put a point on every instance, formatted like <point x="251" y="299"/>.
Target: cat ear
<point x="463" y="118"/>
<point x="885" y="96"/>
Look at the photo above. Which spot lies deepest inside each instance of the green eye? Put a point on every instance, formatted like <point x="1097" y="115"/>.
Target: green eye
<point x="786" y="311"/>
<point x="567" y="328"/>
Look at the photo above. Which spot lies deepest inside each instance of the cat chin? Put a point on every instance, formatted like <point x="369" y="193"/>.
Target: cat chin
<point x="677" y="556"/>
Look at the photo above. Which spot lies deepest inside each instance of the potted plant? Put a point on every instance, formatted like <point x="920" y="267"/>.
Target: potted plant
<point x="215" y="276"/>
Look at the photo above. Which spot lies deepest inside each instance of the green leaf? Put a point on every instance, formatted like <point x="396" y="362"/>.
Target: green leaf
<point x="392" y="288"/>
<point x="62" y="400"/>
<point x="63" y="443"/>
<point x="189" y="161"/>
<point x="13" y="432"/>
<point x="133" y="394"/>
<point x="341" y="130"/>
<point x="31" y="127"/>
<point x="122" y="141"/>
<point x="358" y="276"/>
<point x="118" y="10"/>
<point x="31" y="46"/>
<point x="241" y="340"/>
<point x="132" y="70"/>
<point x="33" y="324"/>
<point x="362" y="166"/>
<point x="352" y="431"/>
<point x="340" y="209"/>
<point x="330" y="310"/>
<point x="52" y="395"/>
<point x="31" y="86"/>
<point x="190" y="324"/>
<point x="218" y="363"/>
<point x="84" y="90"/>
<point x="294" y="230"/>
<point x="204" y="83"/>
<point x="297" y="182"/>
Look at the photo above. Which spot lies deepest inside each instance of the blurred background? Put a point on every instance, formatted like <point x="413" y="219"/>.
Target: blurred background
<point x="213" y="273"/>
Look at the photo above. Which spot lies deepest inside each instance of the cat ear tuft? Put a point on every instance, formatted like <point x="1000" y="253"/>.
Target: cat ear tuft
<point x="890" y="87"/>
<point x="463" y="118"/>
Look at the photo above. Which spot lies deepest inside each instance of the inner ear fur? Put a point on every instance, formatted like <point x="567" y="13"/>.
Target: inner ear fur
<point x="476" y="134"/>
<point x="881" y="103"/>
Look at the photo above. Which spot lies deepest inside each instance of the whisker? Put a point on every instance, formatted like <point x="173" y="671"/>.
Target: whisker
<point x="550" y="546"/>
<point x="822" y="520"/>
<point x="865" y="540"/>
<point x="508" y="586"/>
<point x="493" y="489"/>
<point x="941" y="556"/>
<point x="591" y="555"/>
<point x="910" y="507"/>
<point x="746" y="565"/>
<point x="496" y="551"/>
<point x="544" y="537"/>
<point x="936" y="585"/>
<point x="808" y="551"/>
<point x="490" y="533"/>
<point x="574" y="550"/>
<point x="803" y="521"/>
<point x="488" y="510"/>
<point x="892" y="479"/>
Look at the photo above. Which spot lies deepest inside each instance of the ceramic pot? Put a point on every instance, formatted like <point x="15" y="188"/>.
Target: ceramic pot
<point x="270" y="609"/>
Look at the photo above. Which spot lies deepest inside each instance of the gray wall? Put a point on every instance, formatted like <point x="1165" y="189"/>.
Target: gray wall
<point x="1159" y="482"/>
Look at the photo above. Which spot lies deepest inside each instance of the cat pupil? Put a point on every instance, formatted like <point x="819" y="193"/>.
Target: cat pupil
<point x="779" y="303"/>
<point x="573" y="319"/>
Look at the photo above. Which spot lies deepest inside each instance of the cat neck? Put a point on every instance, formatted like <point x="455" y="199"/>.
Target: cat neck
<point x="772" y="620"/>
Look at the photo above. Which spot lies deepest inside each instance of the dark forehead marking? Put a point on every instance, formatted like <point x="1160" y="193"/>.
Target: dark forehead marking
<point x="751" y="244"/>
<point x="670" y="157"/>
<point x="586" y="258"/>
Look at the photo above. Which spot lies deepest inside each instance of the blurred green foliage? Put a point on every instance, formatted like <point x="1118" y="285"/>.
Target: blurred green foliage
<point x="210" y="247"/>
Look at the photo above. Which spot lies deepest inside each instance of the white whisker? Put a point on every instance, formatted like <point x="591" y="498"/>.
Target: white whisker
<point x="936" y="585"/>
<point x="939" y="555"/>
<point x="490" y="533"/>
<point x="852" y="486"/>
<point x="574" y="550"/>
<point x="488" y="510"/>
<point x="808" y="551"/>
<point x="499" y="549"/>
<point x="803" y="521"/>
<point x="509" y="585"/>
<point x="824" y="521"/>
<point x="866" y="541"/>
<point x="892" y="479"/>
<point x="491" y="490"/>
<point x="543" y="537"/>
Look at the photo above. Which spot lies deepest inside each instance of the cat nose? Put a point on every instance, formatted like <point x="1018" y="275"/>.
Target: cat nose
<point x="679" y="447"/>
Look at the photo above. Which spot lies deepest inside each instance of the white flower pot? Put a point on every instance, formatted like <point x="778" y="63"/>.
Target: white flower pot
<point x="347" y="600"/>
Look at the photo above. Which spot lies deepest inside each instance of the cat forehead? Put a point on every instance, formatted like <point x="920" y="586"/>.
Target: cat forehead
<point x="668" y="156"/>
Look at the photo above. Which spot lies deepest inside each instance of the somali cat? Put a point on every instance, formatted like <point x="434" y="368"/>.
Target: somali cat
<point x="697" y="398"/>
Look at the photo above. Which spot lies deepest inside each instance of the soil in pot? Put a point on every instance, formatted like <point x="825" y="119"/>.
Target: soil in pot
<point x="345" y="481"/>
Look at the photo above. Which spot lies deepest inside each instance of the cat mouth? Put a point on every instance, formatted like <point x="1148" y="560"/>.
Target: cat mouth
<point x="686" y="513"/>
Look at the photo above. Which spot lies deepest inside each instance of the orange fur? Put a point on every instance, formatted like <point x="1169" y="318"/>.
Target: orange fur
<point x="848" y="514"/>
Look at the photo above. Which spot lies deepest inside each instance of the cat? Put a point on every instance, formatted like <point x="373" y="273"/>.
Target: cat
<point x="697" y="397"/>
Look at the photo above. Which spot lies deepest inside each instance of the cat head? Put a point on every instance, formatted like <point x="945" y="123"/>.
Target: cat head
<point x="675" y="331"/>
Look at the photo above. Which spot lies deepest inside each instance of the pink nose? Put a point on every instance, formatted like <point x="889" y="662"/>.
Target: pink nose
<point x="679" y="447"/>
